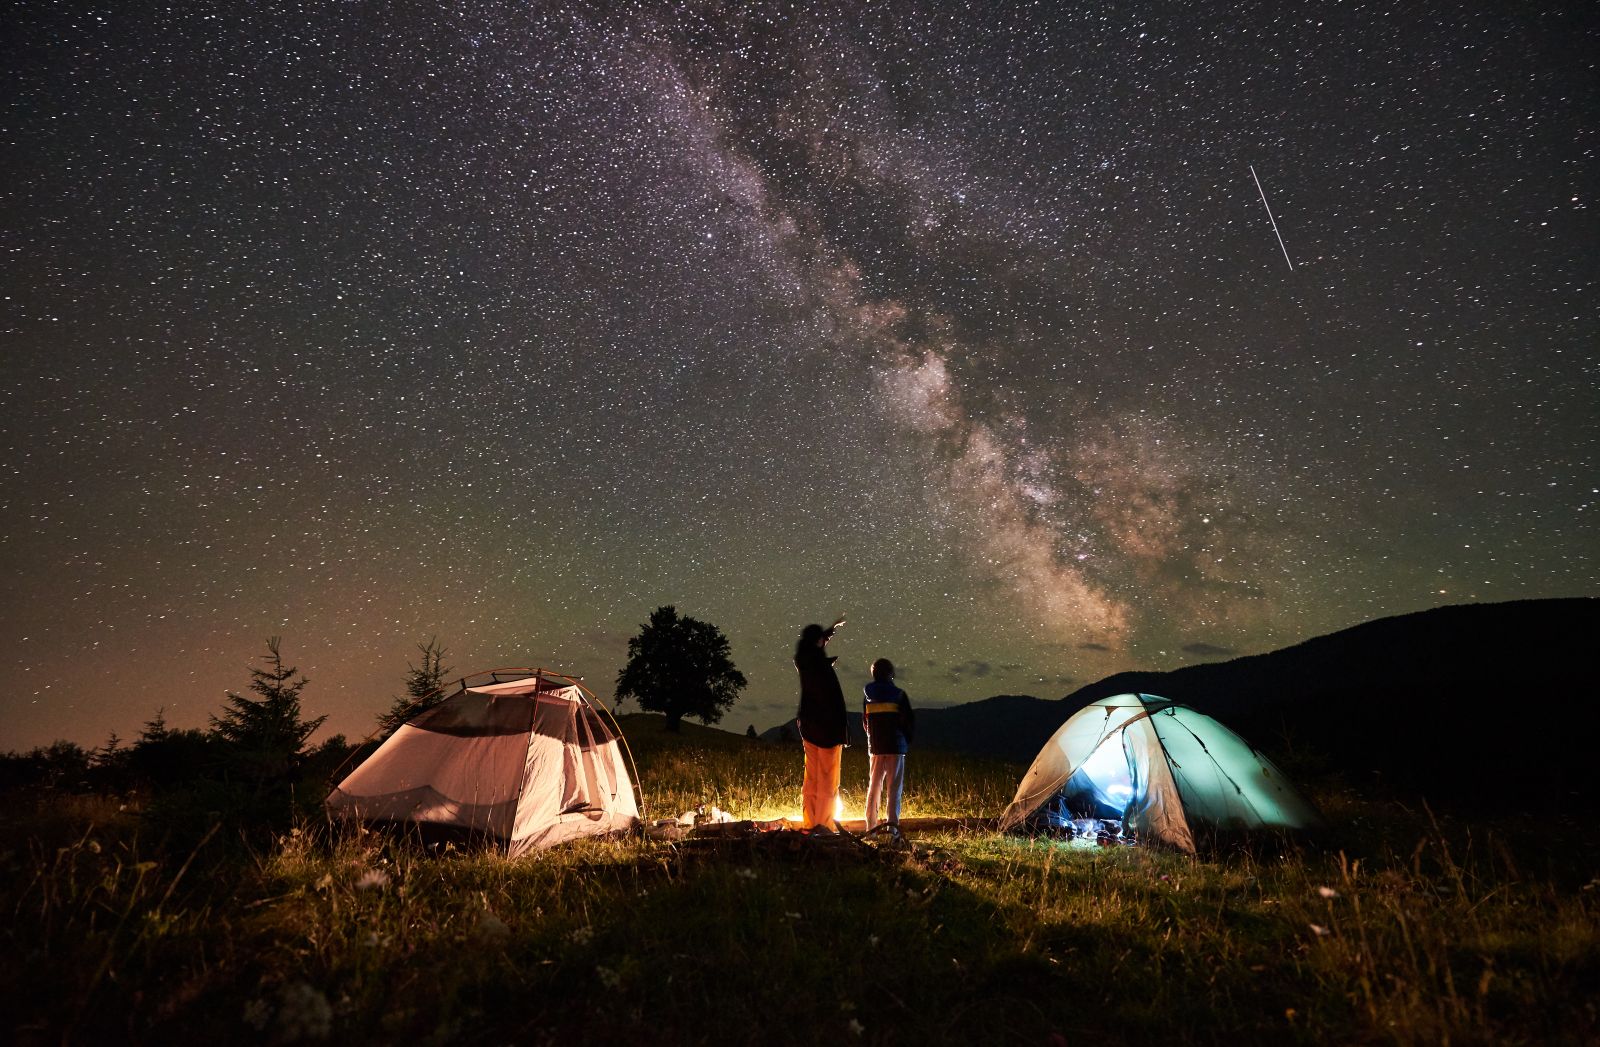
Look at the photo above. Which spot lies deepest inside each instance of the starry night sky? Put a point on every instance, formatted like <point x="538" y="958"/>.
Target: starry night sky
<point x="507" y="323"/>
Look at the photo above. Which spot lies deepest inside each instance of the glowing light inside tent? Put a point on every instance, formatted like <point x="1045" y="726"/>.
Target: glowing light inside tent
<point x="1107" y="770"/>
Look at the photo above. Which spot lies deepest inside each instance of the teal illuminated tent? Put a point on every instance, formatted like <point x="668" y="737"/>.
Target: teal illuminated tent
<point x="1162" y="769"/>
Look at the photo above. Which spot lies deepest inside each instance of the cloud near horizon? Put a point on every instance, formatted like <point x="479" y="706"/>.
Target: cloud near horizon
<point x="1208" y="650"/>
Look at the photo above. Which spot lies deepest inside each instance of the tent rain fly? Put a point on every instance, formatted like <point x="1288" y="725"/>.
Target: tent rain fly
<point x="528" y="761"/>
<point x="1157" y="770"/>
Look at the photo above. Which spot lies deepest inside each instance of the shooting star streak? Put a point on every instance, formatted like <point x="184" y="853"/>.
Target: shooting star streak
<point x="1271" y="219"/>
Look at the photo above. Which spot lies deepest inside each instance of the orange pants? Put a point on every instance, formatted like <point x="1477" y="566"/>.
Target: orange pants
<point x="821" y="790"/>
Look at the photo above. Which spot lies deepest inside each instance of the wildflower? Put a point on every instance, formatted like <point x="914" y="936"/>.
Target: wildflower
<point x="94" y="845"/>
<point x="855" y="1026"/>
<point x="1327" y="892"/>
<point x="745" y="873"/>
<point x="491" y="928"/>
<point x="581" y="936"/>
<point x="303" y="1014"/>
<point x="373" y="879"/>
<point x="1320" y="931"/>
<point x="609" y="978"/>
<point x="872" y="940"/>
<point x="791" y="916"/>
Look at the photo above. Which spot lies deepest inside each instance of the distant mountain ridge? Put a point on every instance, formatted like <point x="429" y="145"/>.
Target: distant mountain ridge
<point x="1470" y="698"/>
<point x="1005" y="727"/>
<point x="1424" y="647"/>
<point x="1463" y="698"/>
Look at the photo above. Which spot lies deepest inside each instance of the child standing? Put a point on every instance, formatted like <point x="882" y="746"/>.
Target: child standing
<point x="888" y="720"/>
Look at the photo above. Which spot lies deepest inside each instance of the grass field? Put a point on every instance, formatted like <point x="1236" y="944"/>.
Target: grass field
<point x="1403" y="927"/>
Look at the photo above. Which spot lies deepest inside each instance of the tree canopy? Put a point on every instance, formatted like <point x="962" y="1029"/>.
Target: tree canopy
<point x="680" y="667"/>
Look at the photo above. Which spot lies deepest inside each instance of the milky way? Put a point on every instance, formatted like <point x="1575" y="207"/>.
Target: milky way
<point x="508" y="323"/>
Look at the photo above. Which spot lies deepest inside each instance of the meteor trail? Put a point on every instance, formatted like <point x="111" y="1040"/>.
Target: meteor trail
<point x="1271" y="219"/>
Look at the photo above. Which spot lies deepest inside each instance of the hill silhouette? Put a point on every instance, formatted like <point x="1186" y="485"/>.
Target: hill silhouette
<point x="1489" y="700"/>
<point x="1495" y="702"/>
<point x="1007" y="726"/>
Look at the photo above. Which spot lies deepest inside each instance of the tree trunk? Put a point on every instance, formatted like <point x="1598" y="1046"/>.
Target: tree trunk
<point x="673" y="719"/>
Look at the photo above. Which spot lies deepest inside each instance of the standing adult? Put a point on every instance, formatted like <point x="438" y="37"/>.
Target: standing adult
<point x="822" y="724"/>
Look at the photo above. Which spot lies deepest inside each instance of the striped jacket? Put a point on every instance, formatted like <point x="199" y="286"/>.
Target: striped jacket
<point x="886" y="714"/>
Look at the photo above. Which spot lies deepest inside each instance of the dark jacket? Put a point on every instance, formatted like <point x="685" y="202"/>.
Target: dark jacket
<point x="822" y="714"/>
<point x="886" y="714"/>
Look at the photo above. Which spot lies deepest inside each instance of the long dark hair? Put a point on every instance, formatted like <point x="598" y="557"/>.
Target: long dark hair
<point x="808" y="640"/>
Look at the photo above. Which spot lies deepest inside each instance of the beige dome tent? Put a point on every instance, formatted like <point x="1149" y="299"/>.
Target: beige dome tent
<point x="525" y="756"/>
<point x="1159" y="768"/>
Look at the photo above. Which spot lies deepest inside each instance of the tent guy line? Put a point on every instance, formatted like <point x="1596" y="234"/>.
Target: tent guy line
<point x="1271" y="219"/>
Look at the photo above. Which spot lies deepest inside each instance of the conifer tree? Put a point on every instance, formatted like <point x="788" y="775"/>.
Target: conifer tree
<point x="422" y="688"/>
<point x="109" y="764"/>
<point x="265" y="734"/>
<point x="155" y="728"/>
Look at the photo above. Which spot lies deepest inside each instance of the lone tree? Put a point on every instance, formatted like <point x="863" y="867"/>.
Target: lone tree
<point x="422" y="688"/>
<point x="680" y="667"/>
<point x="265" y="734"/>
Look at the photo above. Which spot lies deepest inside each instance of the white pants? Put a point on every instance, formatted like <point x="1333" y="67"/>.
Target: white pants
<point x="885" y="782"/>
